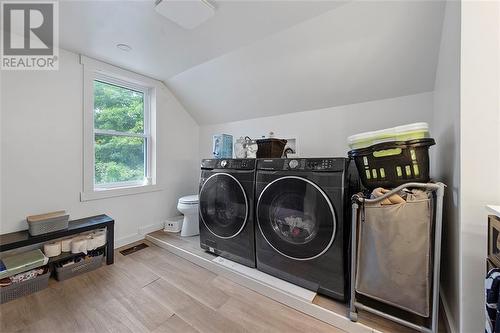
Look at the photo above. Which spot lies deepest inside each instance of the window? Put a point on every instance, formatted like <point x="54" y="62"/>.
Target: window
<point x="119" y="131"/>
<point x="121" y="134"/>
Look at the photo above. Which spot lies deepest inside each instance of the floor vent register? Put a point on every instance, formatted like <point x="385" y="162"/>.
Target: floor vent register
<point x="133" y="249"/>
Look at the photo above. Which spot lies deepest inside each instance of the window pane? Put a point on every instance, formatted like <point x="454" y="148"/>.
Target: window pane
<point x="117" y="108"/>
<point x="118" y="158"/>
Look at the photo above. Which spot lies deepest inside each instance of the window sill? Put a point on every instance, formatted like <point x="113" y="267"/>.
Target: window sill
<point x="118" y="192"/>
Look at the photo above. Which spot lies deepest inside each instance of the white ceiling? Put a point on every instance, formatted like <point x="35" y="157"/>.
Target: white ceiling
<point x="160" y="47"/>
<point x="260" y="58"/>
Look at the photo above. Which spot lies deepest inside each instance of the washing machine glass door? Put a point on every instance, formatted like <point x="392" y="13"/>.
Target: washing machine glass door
<point x="223" y="205"/>
<point x="296" y="218"/>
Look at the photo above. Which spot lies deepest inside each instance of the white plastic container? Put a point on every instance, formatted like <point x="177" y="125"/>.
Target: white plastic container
<point x="399" y="133"/>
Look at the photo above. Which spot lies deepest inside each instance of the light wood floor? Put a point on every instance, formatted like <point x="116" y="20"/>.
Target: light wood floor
<point x="152" y="290"/>
<point x="192" y="245"/>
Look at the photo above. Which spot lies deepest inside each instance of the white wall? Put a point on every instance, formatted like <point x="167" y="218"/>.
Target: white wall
<point x="324" y="132"/>
<point x="446" y="157"/>
<point x="41" y="153"/>
<point x="480" y="162"/>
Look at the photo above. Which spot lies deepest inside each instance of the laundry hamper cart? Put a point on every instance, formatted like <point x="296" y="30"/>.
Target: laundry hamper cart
<point x="395" y="257"/>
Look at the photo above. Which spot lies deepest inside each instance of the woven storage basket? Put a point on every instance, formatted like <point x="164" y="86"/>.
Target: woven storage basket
<point x="270" y="148"/>
<point x="24" y="288"/>
<point x="84" y="266"/>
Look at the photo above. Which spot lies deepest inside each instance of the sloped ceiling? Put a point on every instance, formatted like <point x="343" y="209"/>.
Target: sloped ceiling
<point x="261" y="58"/>
<point x="162" y="49"/>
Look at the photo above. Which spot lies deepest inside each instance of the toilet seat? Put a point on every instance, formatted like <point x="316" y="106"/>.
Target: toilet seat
<point x="189" y="200"/>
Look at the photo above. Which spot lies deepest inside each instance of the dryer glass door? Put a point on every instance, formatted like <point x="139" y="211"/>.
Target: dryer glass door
<point x="296" y="218"/>
<point x="223" y="205"/>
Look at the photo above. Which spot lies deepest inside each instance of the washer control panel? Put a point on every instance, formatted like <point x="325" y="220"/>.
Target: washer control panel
<point x="320" y="164"/>
<point x="237" y="164"/>
<point x="303" y="164"/>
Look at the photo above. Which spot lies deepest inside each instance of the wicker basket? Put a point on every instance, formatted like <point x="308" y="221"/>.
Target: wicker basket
<point x="270" y="148"/>
<point x="51" y="225"/>
<point x="24" y="288"/>
<point x="84" y="266"/>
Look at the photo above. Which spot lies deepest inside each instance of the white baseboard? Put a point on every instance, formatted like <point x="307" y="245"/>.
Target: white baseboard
<point x="151" y="228"/>
<point x="140" y="235"/>
<point x="449" y="325"/>
<point x="128" y="239"/>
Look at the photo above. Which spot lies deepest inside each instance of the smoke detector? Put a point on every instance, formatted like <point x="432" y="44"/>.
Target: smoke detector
<point x="186" y="13"/>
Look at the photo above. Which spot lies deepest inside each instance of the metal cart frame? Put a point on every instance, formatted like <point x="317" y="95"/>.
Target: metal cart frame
<point x="354" y="304"/>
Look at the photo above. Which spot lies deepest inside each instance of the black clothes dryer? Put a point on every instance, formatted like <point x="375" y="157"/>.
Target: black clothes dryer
<point x="226" y="208"/>
<point x="303" y="223"/>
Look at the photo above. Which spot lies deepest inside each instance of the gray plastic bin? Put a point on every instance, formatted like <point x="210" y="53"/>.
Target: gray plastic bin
<point x="24" y="288"/>
<point x="394" y="253"/>
<point x="83" y="266"/>
<point x="51" y="225"/>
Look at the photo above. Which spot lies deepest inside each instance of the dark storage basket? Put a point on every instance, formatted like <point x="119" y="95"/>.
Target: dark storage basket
<point x="391" y="164"/>
<point x="83" y="266"/>
<point x="24" y="288"/>
<point x="270" y="148"/>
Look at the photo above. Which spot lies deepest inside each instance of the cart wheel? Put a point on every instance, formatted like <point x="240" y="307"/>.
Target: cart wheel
<point x="353" y="316"/>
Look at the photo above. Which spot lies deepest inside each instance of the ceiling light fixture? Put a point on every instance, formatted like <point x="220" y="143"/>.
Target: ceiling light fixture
<point x="124" y="47"/>
<point x="188" y="14"/>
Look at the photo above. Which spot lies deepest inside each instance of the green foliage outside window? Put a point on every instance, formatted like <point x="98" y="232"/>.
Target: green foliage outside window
<point x="118" y="158"/>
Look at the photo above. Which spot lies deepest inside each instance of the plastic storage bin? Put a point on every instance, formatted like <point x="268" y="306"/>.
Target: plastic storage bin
<point x="83" y="266"/>
<point x="50" y="225"/>
<point x="222" y="146"/>
<point x="24" y="288"/>
<point x="270" y="148"/>
<point x="23" y="262"/>
<point x="399" y="133"/>
<point x="392" y="164"/>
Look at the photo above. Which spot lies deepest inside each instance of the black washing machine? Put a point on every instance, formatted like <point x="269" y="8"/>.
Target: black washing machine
<point x="226" y="206"/>
<point x="303" y="224"/>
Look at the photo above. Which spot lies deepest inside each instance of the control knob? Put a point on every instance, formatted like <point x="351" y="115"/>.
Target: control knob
<point x="223" y="163"/>
<point x="293" y="164"/>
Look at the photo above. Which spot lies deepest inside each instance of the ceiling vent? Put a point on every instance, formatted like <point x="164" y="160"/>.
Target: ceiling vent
<point x="186" y="13"/>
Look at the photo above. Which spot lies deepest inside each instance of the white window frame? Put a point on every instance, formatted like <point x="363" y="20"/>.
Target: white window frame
<point x="96" y="70"/>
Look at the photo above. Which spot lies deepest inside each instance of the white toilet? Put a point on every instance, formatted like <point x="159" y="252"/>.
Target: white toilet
<point x="188" y="206"/>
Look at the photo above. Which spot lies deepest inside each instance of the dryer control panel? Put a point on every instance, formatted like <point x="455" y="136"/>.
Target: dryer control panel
<point x="229" y="163"/>
<point x="303" y="164"/>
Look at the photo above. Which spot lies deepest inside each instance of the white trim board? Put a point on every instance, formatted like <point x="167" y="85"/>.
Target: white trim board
<point x="140" y="235"/>
<point x="449" y="325"/>
<point x="128" y="240"/>
<point x="299" y="304"/>
<point x="299" y="292"/>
